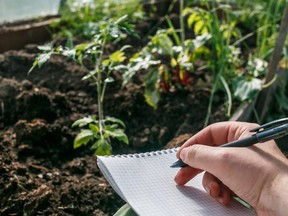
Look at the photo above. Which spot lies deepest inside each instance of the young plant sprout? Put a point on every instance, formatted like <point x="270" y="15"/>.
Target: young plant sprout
<point x="97" y="131"/>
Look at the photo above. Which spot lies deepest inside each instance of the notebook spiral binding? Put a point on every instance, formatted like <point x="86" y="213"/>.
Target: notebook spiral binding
<point x="147" y="154"/>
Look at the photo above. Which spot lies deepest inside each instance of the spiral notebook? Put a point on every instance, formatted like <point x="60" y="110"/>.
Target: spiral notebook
<point x="146" y="182"/>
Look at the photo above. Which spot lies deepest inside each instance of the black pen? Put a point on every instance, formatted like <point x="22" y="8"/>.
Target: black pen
<point x="263" y="133"/>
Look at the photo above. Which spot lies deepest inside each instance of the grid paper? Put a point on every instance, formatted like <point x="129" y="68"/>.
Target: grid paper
<point x="147" y="184"/>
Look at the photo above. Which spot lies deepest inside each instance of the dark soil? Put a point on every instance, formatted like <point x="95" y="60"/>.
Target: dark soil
<point x="41" y="173"/>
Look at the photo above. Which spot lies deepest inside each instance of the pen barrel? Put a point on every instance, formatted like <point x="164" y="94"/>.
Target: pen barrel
<point x="248" y="141"/>
<point x="273" y="133"/>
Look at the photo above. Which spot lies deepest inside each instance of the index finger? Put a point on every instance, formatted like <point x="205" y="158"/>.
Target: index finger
<point x="219" y="134"/>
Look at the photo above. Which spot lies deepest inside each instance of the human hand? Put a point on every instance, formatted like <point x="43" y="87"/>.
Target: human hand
<point x="257" y="174"/>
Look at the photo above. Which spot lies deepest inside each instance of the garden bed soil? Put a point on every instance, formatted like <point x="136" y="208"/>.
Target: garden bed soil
<point x="41" y="173"/>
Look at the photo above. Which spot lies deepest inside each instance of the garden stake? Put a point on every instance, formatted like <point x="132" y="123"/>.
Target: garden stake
<point x="265" y="97"/>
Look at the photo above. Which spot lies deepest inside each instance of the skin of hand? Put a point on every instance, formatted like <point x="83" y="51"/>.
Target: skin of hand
<point x="257" y="174"/>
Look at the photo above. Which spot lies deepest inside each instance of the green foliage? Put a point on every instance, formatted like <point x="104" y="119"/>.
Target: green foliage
<point x="47" y="51"/>
<point x="247" y="84"/>
<point x="93" y="52"/>
<point x="240" y="77"/>
<point x="228" y="42"/>
<point x="80" y="19"/>
<point x="246" y="88"/>
<point x="170" y="59"/>
<point x="169" y="64"/>
<point x="220" y="31"/>
<point x="113" y="129"/>
<point x="268" y="18"/>
<point x="222" y="52"/>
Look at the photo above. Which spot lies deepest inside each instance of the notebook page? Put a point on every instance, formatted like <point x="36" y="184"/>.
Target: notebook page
<point x="147" y="184"/>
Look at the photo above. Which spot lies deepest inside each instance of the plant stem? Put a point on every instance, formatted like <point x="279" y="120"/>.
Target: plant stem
<point x="213" y="27"/>
<point x="182" y="27"/>
<point x="268" y="23"/>
<point x="174" y="33"/>
<point x="214" y="87"/>
<point x="220" y="66"/>
<point x="99" y="87"/>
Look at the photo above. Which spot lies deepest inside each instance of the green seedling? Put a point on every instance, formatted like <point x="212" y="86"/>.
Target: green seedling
<point x="98" y="131"/>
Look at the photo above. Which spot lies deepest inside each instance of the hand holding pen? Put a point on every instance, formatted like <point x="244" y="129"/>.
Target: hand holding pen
<point x="250" y="173"/>
<point x="270" y="131"/>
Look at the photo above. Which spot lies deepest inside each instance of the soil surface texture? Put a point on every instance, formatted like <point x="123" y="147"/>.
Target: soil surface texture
<point x="41" y="173"/>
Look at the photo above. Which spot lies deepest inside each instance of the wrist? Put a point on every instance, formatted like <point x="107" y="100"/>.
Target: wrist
<point x="273" y="200"/>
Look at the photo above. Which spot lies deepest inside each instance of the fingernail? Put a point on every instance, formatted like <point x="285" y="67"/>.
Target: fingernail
<point x="183" y="154"/>
<point x="207" y="190"/>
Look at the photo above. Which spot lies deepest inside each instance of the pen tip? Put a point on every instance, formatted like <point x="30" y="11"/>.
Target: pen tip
<point x="175" y="164"/>
<point x="178" y="163"/>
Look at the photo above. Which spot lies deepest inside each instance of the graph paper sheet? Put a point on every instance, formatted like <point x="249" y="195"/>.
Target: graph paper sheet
<point x="146" y="182"/>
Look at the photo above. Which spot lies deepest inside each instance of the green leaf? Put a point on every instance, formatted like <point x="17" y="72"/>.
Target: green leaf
<point x="152" y="97"/>
<point x="109" y="80"/>
<point x="129" y="30"/>
<point x="84" y="121"/>
<point x="40" y="60"/>
<point x="104" y="149"/>
<point x="111" y="127"/>
<point x="43" y="58"/>
<point x="98" y="143"/>
<point x="201" y="40"/>
<point x="123" y="138"/>
<point x="35" y="63"/>
<point x="81" y="47"/>
<point x="121" y="19"/>
<point x="89" y="75"/>
<point x="246" y="89"/>
<point x="187" y="11"/>
<point x="117" y="57"/>
<point x="121" y="67"/>
<point x="83" y="138"/>
<point x="125" y="47"/>
<point x="94" y="128"/>
<point x="69" y="43"/>
<point x="193" y="18"/>
<point x="162" y="43"/>
<point x="114" y="32"/>
<point x="114" y="132"/>
<point x="115" y="120"/>
<point x="199" y="25"/>
<point x="46" y="47"/>
<point x="151" y="94"/>
<point x="69" y="53"/>
<point x="106" y="62"/>
<point x="173" y="62"/>
<point x="118" y="134"/>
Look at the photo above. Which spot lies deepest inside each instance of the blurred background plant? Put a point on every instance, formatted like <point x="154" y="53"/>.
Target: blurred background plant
<point x="169" y="64"/>
<point x="234" y="39"/>
<point x="79" y="19"/>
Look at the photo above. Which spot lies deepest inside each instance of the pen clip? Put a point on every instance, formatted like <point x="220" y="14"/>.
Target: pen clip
<point x="270" y="125"/>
